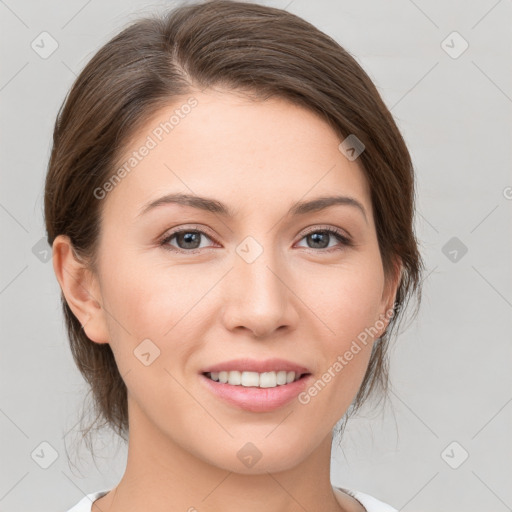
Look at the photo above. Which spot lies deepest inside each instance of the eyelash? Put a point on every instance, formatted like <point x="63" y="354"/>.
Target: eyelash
<point x="345" y="241"/>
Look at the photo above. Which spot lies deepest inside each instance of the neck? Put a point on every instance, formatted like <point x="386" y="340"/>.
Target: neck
<point x="160" y="476"/>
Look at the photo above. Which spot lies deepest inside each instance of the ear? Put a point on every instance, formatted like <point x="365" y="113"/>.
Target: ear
<point x="80" y="288"/>
<point x="389" y="292"/>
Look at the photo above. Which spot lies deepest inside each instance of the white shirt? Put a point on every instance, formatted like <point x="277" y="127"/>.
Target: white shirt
<point x="370" y="503"/>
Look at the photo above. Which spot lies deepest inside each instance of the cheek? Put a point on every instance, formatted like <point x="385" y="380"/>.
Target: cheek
<point x="345" y="299"/>
<point x="344" y="304"/>
<point x="149" y="311"/>
<point x="155" y="300"/>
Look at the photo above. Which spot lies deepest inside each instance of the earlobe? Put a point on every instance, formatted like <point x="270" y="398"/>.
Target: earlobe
<point x="393" y="283"/>
<point x="80" y="289"/>
<point x="390" y="292"/>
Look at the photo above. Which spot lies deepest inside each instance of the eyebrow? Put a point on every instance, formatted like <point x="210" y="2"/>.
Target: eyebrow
<point x="219" y="208"/>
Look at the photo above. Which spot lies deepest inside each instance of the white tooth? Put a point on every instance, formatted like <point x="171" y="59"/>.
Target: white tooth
<point x="281" y="378"/>
<point x="235" y="378"/>
<point x="290" y="377"/>
<point x="250" y="379"/>
<point x="268" y="380"/>
<point x="255" y="379"/>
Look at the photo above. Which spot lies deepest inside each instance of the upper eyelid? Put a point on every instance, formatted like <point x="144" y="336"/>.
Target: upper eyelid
<point x="192" y="227"/>
<point x="319" y="227"/>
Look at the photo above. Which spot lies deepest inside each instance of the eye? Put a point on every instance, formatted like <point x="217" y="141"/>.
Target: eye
<point x="319" y="238"/>
<point x="188" y="240"/>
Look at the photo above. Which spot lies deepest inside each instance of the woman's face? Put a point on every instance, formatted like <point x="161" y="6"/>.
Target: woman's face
<point x="258" y="281"/>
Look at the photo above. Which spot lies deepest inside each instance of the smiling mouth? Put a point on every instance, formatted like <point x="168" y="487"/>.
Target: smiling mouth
<point x="254" y="379"/>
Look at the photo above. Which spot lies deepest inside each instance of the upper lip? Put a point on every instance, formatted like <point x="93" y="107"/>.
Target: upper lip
<point x="253" y="365"/>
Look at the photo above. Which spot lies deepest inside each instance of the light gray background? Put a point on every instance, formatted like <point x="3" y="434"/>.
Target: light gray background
<point x="450" y="368"/>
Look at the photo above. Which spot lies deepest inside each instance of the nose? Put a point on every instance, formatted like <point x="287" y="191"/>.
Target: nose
<point x="258" y="296"/>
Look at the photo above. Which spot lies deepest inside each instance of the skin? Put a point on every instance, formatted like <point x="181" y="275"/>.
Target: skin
<point x="297" y="301"/>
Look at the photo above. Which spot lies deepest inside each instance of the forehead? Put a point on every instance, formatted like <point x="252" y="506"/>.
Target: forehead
<point x="241" y="151"/>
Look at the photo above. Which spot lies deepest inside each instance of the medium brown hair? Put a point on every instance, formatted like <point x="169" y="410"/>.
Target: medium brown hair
<point x="243" y="47"/>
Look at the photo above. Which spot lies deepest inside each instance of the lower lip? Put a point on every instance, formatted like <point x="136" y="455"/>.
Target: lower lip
<point x="255" y="399"/>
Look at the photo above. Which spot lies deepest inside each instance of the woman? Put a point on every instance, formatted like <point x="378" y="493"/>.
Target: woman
<point x="230" y="206"/>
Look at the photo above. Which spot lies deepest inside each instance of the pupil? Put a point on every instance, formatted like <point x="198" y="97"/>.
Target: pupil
<point x="316" y="237"/>
<point x="188" y="238"/>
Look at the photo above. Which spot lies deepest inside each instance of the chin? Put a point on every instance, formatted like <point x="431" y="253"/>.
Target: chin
<point x="250" y="458"/>
<point x="263" y="466"/>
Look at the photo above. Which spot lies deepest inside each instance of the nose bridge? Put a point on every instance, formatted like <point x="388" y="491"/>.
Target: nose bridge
<point x="256" y="264"/>
<point x="257" y="296"/>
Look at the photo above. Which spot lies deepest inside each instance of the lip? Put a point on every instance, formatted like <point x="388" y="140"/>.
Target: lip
<point x="254" y="399"/>
<point x="253" y="365"/>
